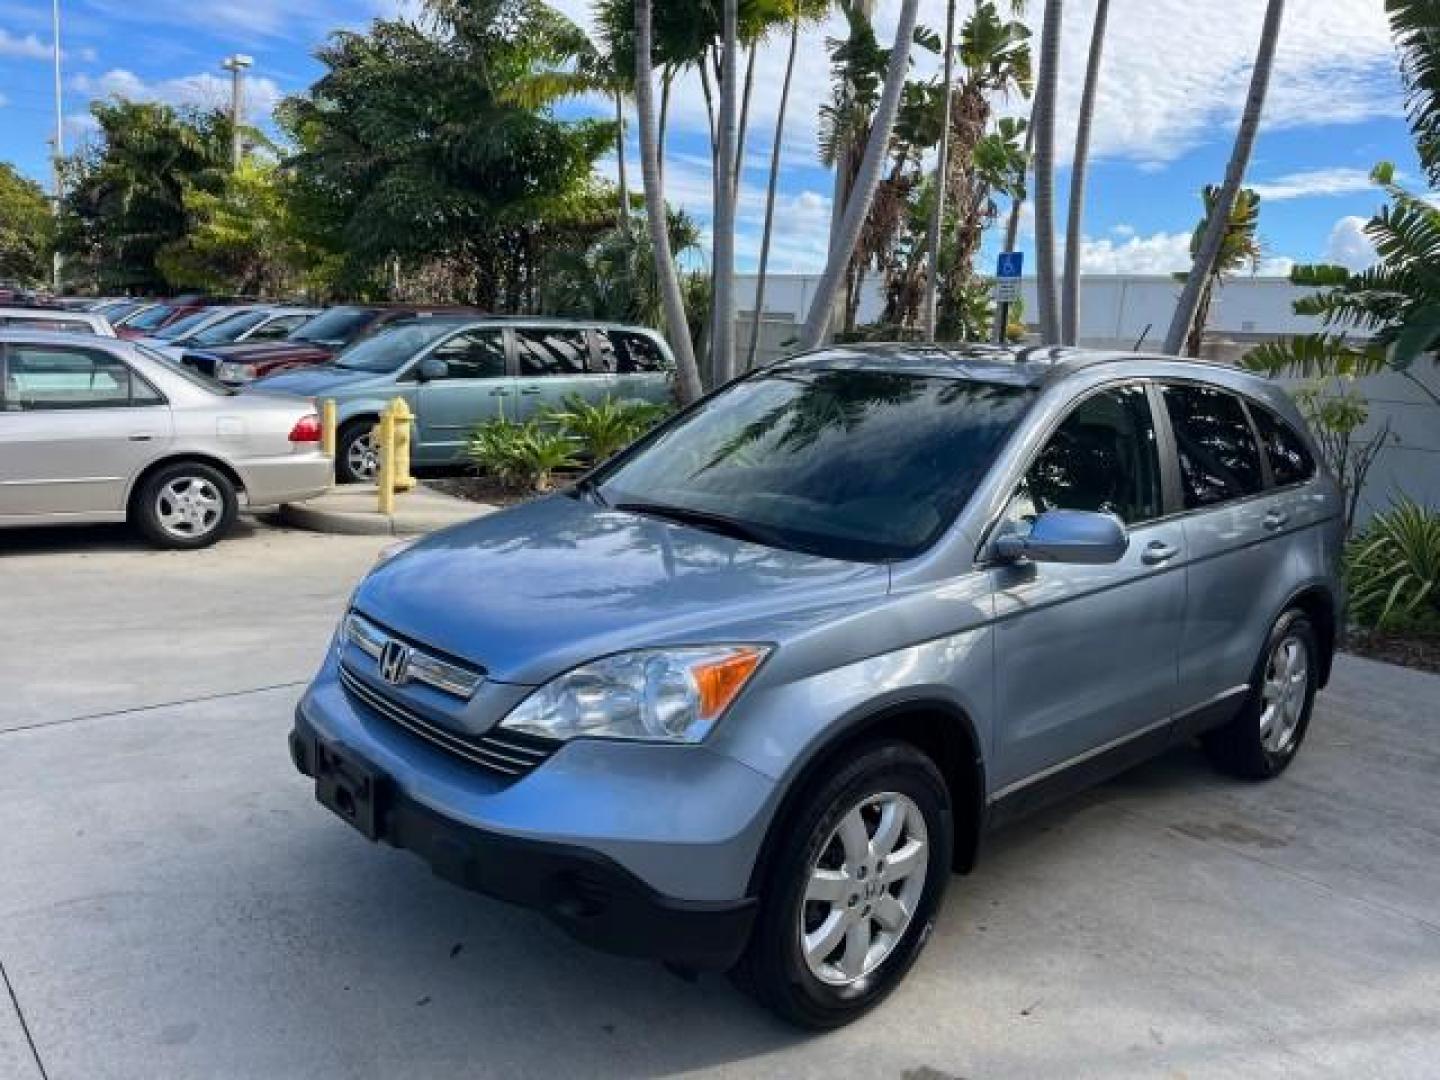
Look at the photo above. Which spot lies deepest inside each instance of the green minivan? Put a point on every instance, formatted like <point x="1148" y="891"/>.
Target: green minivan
<point x="458" y="371"/>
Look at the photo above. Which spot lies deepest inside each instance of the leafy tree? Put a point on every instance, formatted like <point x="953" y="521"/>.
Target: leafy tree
<point x="26" y="227"/>
<point x="126" y="190"/>
<point x="241" y="239"/>
<point x="411" y="143"/>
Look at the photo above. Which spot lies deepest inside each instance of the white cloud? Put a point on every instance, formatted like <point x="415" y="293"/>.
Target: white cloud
<point x="1314" y="182"/>
<point x="202" y="90"/>
<point x="1159" y="253"/>
<point x="28" y="47"/>
<point x="1349" y="246"/>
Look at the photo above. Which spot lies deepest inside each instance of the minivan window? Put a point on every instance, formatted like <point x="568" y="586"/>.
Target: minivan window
<point x="1218" y="456"/>
<point x="474" y="354"/>
<point x="392" y="347"/>
<point x="551" y="352"/>
<point x="1290" y="461"/>
<point x="861" y="465"/>
<point x="1104" y="457"/>
<point x="639" y="353"/>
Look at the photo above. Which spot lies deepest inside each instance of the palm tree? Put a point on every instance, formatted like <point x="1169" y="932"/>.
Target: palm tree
<point x="1070" y="319"/>
<point x="1239" y="247"/>
<point x="774" y="182"/>
<point x="862" y="193"/>
<point x="1045" y="93"/>
<point x="942" y="167"/>
<point x="668" y="278"/>
<point x="1012" y="225"/>
<point x="722" y="334"/>
<point x="1214" y="237"/>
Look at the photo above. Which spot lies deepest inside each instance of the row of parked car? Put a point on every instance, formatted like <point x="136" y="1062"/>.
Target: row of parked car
<point x="101" y="404"/>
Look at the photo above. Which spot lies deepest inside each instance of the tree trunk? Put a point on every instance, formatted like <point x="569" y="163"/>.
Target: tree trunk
<point x="942" y="166"/>
<point x="678" y="329"/>
<point x="1045" y="91"/>
<point x="1070" y="328"/>
<point x="666" y="78"/>
<point x="620" y="151"/>
<point x="722" y="340"/>
<point x="1012" y="227"/>
<point x="775" y="151"/>
<point x="744" y="121"/>
<point x="862" y="193"/>
<point x="1210" y="243"/>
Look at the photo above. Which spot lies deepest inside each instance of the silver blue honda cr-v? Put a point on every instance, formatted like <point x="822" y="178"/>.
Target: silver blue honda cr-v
<point x="749" y="693"/>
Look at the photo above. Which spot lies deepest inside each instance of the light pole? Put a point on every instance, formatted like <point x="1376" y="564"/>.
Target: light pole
<point x="236" y="65"/>
<point x="56" y="263"/>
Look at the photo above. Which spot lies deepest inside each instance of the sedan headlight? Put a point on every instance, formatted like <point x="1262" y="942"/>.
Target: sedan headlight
<point x="671" y="695"/>
<point x="227" y="371"/>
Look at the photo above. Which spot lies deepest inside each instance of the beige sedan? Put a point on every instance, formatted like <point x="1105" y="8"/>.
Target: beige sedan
<point x="96" y="429"/>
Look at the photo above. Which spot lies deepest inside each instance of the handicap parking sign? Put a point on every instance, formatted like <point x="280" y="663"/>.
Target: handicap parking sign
<point x="1008" y="269"/>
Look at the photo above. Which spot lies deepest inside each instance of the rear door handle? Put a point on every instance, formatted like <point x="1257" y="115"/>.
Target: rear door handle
<point x="1276" y="519"/>
<point x="531" y="390"/>
<point x="1158" y="552"/>
<point x="499" y="393"/>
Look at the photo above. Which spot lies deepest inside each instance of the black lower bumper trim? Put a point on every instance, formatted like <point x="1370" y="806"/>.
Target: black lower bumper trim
<point x="593" y="898"/>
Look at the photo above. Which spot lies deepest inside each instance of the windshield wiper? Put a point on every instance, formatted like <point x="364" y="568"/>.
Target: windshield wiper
<point x="588" y="485"/>
<point x="711" y="522"/>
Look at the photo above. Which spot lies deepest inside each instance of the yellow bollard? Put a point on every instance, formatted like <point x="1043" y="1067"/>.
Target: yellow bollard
<point x="385" y="446"/>
<point x="327" y="427"/>
<point x="401" y="417"/>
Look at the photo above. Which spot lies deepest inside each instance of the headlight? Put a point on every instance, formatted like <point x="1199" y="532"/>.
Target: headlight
<point x="227" y="371"/>
<point x="672" y="695"/>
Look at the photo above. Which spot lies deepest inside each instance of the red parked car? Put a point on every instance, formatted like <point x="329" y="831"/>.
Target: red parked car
<point x="317" y="342"/>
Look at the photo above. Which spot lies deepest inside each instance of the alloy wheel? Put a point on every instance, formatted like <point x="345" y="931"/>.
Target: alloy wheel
<point x="863" y="888"/>
<point x="1287" y="684"/>
<point x="363" y="457"/>
<point x="189" y="507"/>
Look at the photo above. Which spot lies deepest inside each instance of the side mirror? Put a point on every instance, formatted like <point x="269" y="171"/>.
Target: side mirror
<point x="432" y="367"/>
<point x="1083" y="537"/>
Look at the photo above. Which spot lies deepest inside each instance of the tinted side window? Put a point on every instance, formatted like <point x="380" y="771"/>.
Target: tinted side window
<point x="1104" y="456"/>
<point x="551" y="352"/>
<point x="41" y="378"/>
<point x="608" y="353"/>
<point x="1218" y="456"/>
<point x="476" y="354"/>
<point x="1290" y="461"/>
<point x="638" y="353"/>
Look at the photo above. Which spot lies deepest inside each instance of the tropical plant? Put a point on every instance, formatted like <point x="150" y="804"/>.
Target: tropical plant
<point x="1046" y="91"/>
<point x="1392" y="567"/>
<point x="862" y="194"/>
<point x="521" y="456"/>
<point x="26" y="227"/>
<point x="125" y="190"/>
<point x="1337" y="414"/>
<point x="410" y="139"/>
<point x="1075" y="224"/>
<point x="1213" y="240"/>
<point x="1239" y="248"/>
<point x="605" y="427"/>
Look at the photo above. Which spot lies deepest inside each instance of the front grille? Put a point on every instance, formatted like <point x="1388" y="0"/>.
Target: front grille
<point x="506" y="753"/>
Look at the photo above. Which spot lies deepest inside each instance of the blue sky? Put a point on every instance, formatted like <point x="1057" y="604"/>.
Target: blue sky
<point x="1175" y="79"/>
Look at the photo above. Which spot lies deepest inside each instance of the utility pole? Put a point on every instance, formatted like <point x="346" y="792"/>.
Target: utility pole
<point x="56" y="263"/>
<point x="236" y="65"/>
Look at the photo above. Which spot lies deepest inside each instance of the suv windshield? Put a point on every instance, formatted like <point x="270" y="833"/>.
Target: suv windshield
<point x="862" y="465"/>
<point x="393" y="346"/>
<point x="335" y="327"/>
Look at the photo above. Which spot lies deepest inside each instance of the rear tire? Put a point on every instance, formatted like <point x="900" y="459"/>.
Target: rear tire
<point x="356" y="460"/>
<point x="845" y="912"/>
<point x="1265" y="735"/>
<point x="185" y="506"/>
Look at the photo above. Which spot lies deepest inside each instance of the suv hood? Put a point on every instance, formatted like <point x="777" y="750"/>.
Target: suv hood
<point x="531" y="592"/>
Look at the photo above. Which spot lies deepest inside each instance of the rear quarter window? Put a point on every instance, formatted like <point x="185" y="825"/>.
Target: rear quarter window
<point x="1290" y="460"/>
<point x="1219" y="460"/>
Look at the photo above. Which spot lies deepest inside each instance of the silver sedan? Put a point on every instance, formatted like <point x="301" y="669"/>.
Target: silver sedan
<point x="95" y="430"/>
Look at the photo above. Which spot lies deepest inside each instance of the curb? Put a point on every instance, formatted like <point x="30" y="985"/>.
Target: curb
<point x="434" y="511"/>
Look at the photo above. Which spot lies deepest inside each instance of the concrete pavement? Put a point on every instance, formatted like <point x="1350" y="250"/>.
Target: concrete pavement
<point x="173" y="903"/>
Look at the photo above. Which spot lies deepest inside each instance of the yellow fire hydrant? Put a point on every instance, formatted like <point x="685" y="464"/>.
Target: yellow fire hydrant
<point x="392" y="439"/>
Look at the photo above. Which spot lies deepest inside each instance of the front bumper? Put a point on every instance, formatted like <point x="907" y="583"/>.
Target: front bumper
<point x="588" y="894"/>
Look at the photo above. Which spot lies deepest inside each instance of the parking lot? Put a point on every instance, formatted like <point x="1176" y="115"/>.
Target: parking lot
<point x="174" y="904"/>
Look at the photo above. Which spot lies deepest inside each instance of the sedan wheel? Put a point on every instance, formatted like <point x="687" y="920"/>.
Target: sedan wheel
<point x="359" y="454"/>
<point x="189" y="508"/>
<point x="185" y="505"/>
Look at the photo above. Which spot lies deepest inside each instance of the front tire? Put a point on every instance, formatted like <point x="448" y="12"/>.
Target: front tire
<point x="850" y="898"/>
<point x="187" y="506"/>
<point x="1264" y="737"/>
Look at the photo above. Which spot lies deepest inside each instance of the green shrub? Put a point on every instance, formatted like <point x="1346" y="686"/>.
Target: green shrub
<point x="1392" y="568"/>
<point x="605" y="429"/>
<point x="521" y="455"/>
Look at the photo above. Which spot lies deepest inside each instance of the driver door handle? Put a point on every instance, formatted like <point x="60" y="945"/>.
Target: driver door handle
<point x="1158" y="552"/>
